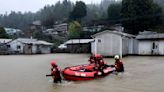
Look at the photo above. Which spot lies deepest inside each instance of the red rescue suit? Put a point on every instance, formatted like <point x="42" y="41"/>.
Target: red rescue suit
<point x="119" y="66"/>
<point x="56" y="74"/>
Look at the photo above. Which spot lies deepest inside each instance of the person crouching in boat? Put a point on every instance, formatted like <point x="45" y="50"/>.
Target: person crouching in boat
<point x="118" y="64"/>
<point x="55" y="72"/>
<point x="92" y="59"/>
<point x="100" y="63"/>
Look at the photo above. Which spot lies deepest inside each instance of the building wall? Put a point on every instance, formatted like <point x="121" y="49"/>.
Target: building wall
<point x="107" y="44"/>
<point x="45" y="49"/>
<point x="145" y="47"/>
<point x="14" y="46"/>
<point x="129" y="46"/>
<point x="34" y="49"/>
<point x="79" y="48"/>
<point x="161" y="47"/>
<point x="115" y="44"/>
<point x="135" y="47"/>
<point x="111" y="44"/>
<point x="125" y="45"/>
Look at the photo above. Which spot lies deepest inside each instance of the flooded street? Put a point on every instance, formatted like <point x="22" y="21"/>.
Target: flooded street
<point x="26" y="73"/>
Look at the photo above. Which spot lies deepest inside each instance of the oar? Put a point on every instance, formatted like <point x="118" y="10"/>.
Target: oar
<point x="48" y="75"/>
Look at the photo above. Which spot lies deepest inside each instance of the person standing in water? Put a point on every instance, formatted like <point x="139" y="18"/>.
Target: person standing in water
<point x="55" y="72"/>
<point x="118" y="64"/>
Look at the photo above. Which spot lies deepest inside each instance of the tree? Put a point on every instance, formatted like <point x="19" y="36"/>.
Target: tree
<point x="3" y="33"/>
<point x="79" y="11"/>
<point x="74" y="30"/>
<point x="140" y="15"/>
<point x="114" y="12"/>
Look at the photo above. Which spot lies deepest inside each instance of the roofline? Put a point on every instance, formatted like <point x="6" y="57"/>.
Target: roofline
<point x="8" y="41"/>
<point x="114" y="32"/>
<point x="155" y="36"/>
<point x="80" y="42"/>
<point x="150" y="38"/>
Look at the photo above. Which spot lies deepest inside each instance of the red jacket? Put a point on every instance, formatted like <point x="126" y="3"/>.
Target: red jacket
<point x="55" y="72"/>
<point x="119" y="66"/>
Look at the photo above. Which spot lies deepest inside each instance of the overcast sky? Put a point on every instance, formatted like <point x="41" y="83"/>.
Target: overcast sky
<point x="30" y="5"/>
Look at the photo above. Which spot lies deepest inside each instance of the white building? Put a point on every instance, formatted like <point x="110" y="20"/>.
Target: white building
<point x="3" y="45"/>
<point x="78" y="45"/>
<point x="29" y="46"/>
<point x="61" y="28"/>
<point x="5" y="41"/>
<point x="151" y="44"/>
<point x="110" y="43"/>
<point x="12" y="31"/>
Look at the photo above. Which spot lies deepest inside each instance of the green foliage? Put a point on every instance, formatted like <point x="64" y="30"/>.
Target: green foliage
<point x="79" y="11"/>
<point x="114" y="12"/>
<point x="74" y="30"/>
<point x="3" y="33"/>
<point x="55" y="14"/>
<point x="59" y="12"/>
<point x="139" y="15"/>
<point x="17" y="20"/>
<point x="160" y="2"/>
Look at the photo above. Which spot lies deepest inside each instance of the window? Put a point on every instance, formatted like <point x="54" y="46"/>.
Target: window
<point x="99" y="40"/>
<point x="8" y="46"/>
<point x="18" y="47"/>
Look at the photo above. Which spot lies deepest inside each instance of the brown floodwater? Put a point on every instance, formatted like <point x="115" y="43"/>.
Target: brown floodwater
<point x="26" y="73"/>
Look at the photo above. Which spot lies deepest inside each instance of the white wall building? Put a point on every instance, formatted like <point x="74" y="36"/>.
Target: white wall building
<point x="151" y="44"/>
<point x="110" y="43"/>
<point x="3" y="45"/>
<point x="12" y="31"/>
<point x="29" y="46"/>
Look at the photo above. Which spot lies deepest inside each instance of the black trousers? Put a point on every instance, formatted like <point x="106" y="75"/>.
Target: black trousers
<point x="56" y="80"/>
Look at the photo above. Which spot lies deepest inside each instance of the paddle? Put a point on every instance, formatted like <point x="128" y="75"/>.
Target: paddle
<point x="48" y="75"/>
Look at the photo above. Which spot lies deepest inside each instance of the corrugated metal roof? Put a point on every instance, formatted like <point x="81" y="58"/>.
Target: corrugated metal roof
<point x="44" y="43"/>
<point x="151" y="36"/>
<point x="33" y="41"/>
<point x="75" y="41"/>
<point x="113" y="32"/>
<point x="27" y="40"/>
<point x="5" y="40"/>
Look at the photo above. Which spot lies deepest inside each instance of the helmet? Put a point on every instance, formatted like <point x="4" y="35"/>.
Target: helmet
<point x="53" y="63"/>
<point x="116" y="57"/>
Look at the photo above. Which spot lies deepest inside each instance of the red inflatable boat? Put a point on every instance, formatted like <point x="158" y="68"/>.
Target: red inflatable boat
<point x="85" y="72"/>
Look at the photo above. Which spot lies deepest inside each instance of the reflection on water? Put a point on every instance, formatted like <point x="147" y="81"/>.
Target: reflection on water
<point x="27" y="74"/>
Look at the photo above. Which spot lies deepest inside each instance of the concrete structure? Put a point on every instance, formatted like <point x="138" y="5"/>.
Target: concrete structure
<point x="93" y="28"/>
<point x="110" y="43"/>
<point x="79" y="45"/>
<point x="36" y="26"/>
<point x="50" y="32"/>
<point x="29" y="46"/>
<point x="4" y="46"/>
<point x="151" y="43"/>
<point x="12" y="31"/>
<point x="61" y="28"/>
<point x="5" y="41"/>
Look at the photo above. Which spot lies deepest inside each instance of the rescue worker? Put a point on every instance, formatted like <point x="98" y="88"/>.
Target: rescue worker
<point x="91" y="59"/>
<point x="55" y="73"/>
<point x="118" y="64"/>
<point x="99" y="62"/>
